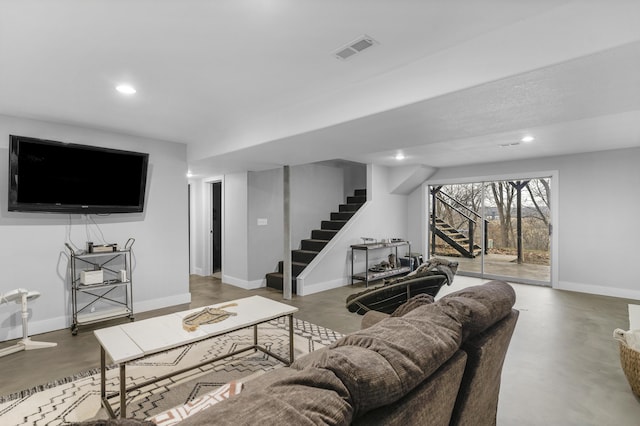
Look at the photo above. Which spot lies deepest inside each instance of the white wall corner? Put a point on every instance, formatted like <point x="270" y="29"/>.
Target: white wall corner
<point x="252" y="285"/>
<point x="405" y="179"/>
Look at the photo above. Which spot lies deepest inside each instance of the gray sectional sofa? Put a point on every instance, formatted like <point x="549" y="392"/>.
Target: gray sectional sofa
<point x="433" y="363"/>
<point x="428" y="363"/>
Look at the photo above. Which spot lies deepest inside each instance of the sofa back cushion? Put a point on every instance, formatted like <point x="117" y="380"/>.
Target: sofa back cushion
<point x="382" y="363"/>
<point x="481" y="306"/>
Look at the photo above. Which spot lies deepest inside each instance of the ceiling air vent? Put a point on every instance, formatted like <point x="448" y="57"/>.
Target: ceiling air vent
<point x="355" y="47"/>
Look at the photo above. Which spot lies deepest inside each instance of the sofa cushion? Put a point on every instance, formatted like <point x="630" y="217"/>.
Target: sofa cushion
<point x="177" y="414"/>
<point x="481" y="306"/>
<point x="308" y="397"/>
<point x="380" y="364"/>
<point x="372" y="317"/>
<point x="411" y="304"/>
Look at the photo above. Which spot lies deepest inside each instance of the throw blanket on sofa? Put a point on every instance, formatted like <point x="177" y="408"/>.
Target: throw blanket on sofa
<point x="430" y="267"/>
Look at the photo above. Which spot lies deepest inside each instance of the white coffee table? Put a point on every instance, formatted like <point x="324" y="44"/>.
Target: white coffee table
<point x="136" y="340"/>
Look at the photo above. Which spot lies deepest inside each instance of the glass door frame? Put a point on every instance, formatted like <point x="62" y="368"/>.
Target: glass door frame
<point x="553" y="249"/>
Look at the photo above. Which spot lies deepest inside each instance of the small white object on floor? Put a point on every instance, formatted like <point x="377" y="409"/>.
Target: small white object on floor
<point x="22" y="296"/>
<point x="630" y="337"/>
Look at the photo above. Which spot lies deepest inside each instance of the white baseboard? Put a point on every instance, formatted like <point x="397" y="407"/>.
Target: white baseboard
<point x="13" y="329"/>
<point x="624" y="293"/>
<point x="247" y="285"/>
<point x="304" y="290"/>
<point x="257" y="284"/>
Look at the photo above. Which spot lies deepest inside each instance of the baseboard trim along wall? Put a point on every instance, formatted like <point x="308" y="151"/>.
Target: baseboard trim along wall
<point x="13" y="330"/>
<point x="624" y="293"/>
<point x="247" y="285"/>
<point x="305" y="290"/>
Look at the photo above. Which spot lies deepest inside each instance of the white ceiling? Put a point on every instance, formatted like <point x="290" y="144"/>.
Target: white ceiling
<point x="254" y="84"/>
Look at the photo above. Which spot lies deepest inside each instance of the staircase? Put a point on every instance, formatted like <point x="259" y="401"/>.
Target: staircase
<point x="310" y="248"/>
<point x="456" y="239"/>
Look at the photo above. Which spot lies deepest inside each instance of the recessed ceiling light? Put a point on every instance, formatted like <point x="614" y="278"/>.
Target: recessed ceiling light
<point x="126" y="89"/>
<point x="399" y="156"/>
<point x="189" y="174"/>
<point x="527" y="138"/>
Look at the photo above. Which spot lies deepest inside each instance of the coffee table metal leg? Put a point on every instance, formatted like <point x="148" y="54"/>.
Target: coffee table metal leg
<point x="255" y="334"/>
<point x="291" y="338"/>
<point x="103" y="375"/>
<point x="123" y="391"/>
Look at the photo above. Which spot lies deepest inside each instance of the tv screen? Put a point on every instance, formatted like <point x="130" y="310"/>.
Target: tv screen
<point x="50" y="176"/>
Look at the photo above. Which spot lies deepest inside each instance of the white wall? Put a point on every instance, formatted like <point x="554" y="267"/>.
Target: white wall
<point x="235" y="243"/>
<point x="316" y="191"/>
<point x="383" y="216"/>
<point x="355" y="177"/>
<point x="32" y="253"/>
<point x="598" y="205"/>
<point x="266" y="242"/>
<point x="416" y="227"/>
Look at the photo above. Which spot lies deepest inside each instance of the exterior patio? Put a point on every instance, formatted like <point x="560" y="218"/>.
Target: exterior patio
<point x="503" y="266"/>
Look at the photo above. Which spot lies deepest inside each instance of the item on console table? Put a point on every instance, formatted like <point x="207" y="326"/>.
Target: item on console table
<point x="101" y="248"/>
<point x="207" y="316"/>
<point x="381" y="267"/>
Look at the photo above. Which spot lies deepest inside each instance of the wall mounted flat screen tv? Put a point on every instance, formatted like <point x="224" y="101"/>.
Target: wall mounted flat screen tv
<point x="58" y="177"/>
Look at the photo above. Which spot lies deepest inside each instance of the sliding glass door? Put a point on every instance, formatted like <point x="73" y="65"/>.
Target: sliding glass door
<point x="494" y="229"/>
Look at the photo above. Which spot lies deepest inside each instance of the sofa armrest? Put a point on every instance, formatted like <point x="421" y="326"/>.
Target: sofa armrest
<point x="371" y="318"/>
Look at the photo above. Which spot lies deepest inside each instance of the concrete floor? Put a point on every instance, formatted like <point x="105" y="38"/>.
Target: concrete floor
<point x="562" y="367"/>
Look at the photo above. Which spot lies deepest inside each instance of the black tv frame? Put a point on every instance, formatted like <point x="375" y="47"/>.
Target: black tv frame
<point x="15" y="204"/>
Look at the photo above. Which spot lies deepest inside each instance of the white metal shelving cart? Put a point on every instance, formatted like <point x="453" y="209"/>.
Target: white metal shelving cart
<point x="114" y="291"/>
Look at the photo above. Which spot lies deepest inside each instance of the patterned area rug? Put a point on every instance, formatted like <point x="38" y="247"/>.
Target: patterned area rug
<point x="77" y="400"/>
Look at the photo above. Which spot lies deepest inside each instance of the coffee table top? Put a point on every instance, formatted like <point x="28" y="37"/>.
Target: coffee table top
<point x="134" y="340"/>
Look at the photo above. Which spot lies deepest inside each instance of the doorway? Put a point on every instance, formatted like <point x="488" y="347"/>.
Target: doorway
<point x="216" y="227"/>
<point x="495" y="229"/>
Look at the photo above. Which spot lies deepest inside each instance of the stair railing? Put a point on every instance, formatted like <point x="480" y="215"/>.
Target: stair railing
<point x="472" y="218"/>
